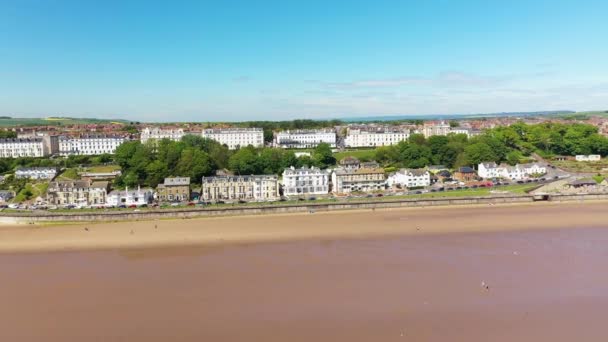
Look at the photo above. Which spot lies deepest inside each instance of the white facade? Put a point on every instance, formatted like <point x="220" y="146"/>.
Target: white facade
<point x="305" y="181"/>
<point x="436" y="129"/>
<point x="517" y="172"/>
<point x="305" y="138"/>
<point x="236" y="137"/>
<point x="129" y="197"/>
<point x="367" y="138"/>
<point x="89" y="145"/>
<point x="591" y="157"/>
<point x="231" y="188"/>
<point x="28" y="147"/>
<point x="346" y="181"/>
<point x="36" y="172"/>
<point x="411" y="178"/>
<point x="490" y="170"/>
<point x="157" y="133"/>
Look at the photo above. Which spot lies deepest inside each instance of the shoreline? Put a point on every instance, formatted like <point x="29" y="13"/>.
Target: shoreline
<point x="327" y="225"/>
<point x="30" y="218"/>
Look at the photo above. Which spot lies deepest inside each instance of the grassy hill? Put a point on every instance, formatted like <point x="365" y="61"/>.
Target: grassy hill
<point x="52" y="121"/>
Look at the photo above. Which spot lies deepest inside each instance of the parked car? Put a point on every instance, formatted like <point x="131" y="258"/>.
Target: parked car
<point x="418" y="192"/>
<point x="379" y="195"/>
<point x="312" y="198"/>
<point x="133" y="206"/>
<point x="122" y="206"/>
<point x="242" y="201"/>
<point x="175" y="204"/>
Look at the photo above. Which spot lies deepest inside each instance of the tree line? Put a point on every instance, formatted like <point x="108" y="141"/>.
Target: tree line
<point x="510" y="144"/>
<point x="196" y="157"/>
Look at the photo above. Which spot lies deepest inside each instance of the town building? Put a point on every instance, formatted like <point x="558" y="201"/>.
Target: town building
<point x="128" y="197"/>
<point x="24" y="147"/>
<point x="443" y="175"/>
<point x="518" y="172"/>
<point x="436" y="168"/>
<point x="430" y="129"/>
<point x="158" y="133"/>
<point x="302" y="154"/>
<point x="588" y="158"/>
<point x="303" y="181"/>
<point x="465" y="174"/>
<point x="234" y="188"/>
<point x="97" y="176"/>
<point x="77" y="192"/>
<point x="373" y="136"/>
<point x="349" y="163"/>
<point x="36" y="172"/>
<point x="346" y="181"/>
<point x="6" y="195"/>
<point x="490" y="170"/>
<point x="236" y="138"/>
<point x="410" y="178"/>
<point x="305" y="138"/>
<point x="89" y="144"/>
<point x="174" y="189"/>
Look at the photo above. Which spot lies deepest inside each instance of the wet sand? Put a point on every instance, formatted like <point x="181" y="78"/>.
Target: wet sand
<point x="534" y="273"/>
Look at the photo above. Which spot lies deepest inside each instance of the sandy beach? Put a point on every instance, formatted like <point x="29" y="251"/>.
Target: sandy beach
<point x="327" y="225"/>
<point x="501" y="273"/>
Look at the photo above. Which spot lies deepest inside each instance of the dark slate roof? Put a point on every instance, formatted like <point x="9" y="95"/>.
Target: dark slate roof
<point x="466" y="169"/>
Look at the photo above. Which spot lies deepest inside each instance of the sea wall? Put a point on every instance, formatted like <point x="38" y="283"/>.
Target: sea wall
<point x="33" y="217"/>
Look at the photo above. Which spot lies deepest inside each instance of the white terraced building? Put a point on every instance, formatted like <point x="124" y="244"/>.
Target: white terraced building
<point x="312" y="181"/>
<point x="130" y="197"/>
<point x="232" y="188"/>
<point x="358" y="137"/>
<point x="158" y="133"/>
<point x="22" y="147"/>
<point x="517" y="172"/>
<point x="305" y="138"/>
<point x="36" y="172"/>
<point x="89" y="144"/>
<point x="411" y="178"/>
<point x="431" y="129"/>
<point x="236" y="137"/>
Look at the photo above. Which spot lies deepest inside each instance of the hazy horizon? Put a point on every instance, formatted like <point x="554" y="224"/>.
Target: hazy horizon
<point x="271" y="60"/>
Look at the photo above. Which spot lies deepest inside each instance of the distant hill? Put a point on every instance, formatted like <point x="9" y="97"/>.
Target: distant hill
<point x="457" y="116"/>
<point x="52" y="121"/>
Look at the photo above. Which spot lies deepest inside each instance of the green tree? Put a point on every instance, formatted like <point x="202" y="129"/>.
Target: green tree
<point x="479" y="152"/>
<point x="244" y="161"/>
<point x="417" y="139"/>
<point x="193" y="163"/>
<point x="323" y="155"/>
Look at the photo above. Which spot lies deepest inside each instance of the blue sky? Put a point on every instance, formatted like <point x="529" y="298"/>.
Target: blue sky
<point x="252" y="60"/>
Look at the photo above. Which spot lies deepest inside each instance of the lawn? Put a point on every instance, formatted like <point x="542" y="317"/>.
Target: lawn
<point x="68" y="174"/>
<point x="587" y="167"/>
<point x="35" y="189"/>
<point x="366" y="155"/>
<point x="103" y="168"/>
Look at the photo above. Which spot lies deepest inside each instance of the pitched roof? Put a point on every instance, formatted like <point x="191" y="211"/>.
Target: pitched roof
<point x="466" y="169"/>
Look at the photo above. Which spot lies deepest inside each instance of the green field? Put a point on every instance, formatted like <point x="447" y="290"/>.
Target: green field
<point x="103" y="168"/>
<point x="367" y="154"/>
<point x="585" y="167"/>
<point x="52" y="121"/>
